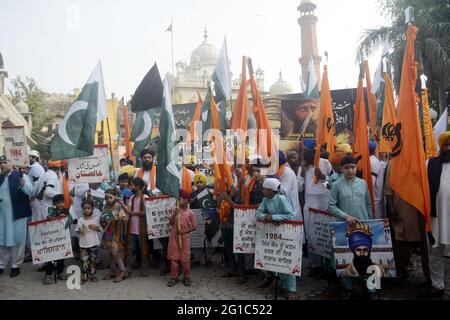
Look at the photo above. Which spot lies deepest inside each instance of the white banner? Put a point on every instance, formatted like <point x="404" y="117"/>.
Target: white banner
<point x="244" y="229"/>
<point x="50" y="240"/>
<point x="279" y="247"/>
<point x="198" y="236"/>
<point x="90" y="169"/>
<point x="15" y="143"/>
<point x="158" y="211"/>
<point x="318" y="233"/>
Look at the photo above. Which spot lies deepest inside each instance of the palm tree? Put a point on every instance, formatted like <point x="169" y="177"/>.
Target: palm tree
<point x="432" y="46"/>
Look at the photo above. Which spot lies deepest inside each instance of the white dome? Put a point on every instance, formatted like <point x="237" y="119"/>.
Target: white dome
<point x="205" y="55"/>
<point x="280" y="87"/>
<point x="22" y="107"/>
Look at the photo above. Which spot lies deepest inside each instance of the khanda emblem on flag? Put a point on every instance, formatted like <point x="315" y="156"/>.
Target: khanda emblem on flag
<point x="330" y="125"/>
<point x="396" y="133"/>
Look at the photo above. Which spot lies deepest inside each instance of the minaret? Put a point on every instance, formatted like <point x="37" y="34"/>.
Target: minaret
<point x="307" y="22"/>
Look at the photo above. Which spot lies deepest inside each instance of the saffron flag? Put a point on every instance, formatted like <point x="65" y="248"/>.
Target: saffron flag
<point x="389" y="123"/>
<point x="361" y="138"/>
<point x="430" y="142"/>
<point x="127" y="133"/>
<point x="325" y="127"/>
<point x="196" y="119"/>
<point x="372" y="101"/>
<point x="410" y="180"/>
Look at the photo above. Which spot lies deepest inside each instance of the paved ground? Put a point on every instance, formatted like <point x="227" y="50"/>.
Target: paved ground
<point x="207" y="284"/>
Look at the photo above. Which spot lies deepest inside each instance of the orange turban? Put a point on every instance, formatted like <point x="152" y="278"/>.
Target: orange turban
<point x="444" y="137"/>
<point x="54" y="163"/>
<point x="341" y="150"/>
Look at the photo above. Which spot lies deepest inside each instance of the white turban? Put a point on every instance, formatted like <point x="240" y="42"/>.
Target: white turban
<point x="271" y="184"/>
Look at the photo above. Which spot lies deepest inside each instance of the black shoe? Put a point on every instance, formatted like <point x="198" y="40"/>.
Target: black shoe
<point x="27" y="259"/>
<point x="1" y="271"/>
<point x="242" y="280"/>
<point x="14" y="272"/>
<point x="431" y="293"/>
<point x="266" y="283"/>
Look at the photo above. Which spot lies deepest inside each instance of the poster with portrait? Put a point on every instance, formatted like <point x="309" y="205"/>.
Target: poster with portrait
<point x="298" y="117"/>
<point x="366" y="244"/>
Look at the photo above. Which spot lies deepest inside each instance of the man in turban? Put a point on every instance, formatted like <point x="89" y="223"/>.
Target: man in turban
<point x="360" y="243"/>
<point x="439" y="237"/>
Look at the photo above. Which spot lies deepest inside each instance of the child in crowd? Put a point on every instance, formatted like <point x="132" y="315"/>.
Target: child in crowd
<point x="113" y="221"/>
<point x="125" y="192"/>
<point x="58" y="210"/>
<point x="183" y="223"/>
<point x="87" y="227"/>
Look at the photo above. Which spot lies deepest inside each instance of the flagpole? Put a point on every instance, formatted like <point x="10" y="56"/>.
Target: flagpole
<point x="110" y="149"/>
<point x="173" y="69"/>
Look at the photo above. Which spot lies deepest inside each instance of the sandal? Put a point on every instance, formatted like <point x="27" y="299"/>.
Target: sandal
<point x="229" y="274"/>
<point x="108" y="276"/>
<point x="172" y="282"/>
<point x="187" y="282"/>
<point x="121" y="276"/>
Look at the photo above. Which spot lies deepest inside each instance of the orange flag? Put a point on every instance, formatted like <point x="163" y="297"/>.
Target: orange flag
<point x="195" y="119"/>
<point x="372" y="100"/>
<point x="361" y="139"/>
<point x="222" y="172"/>
<point x="389" y="122"/>
<point x="186" y="183"/>
<point x="127" y="133"/>
<point x="325" y="126"/>
<point x="430" y="141"/>
<point x="262" y="122"/>
<point x="409" y="179"/>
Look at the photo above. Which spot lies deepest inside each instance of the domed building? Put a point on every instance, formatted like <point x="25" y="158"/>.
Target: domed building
<point x="194" y="76"/>
<point x="280" y="87"/>
<point x="24" y="110"/>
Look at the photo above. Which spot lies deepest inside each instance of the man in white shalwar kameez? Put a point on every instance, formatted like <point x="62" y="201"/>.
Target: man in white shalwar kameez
<point x="48" y="186"/>
<point x="439" y="237"/>
<point x="316" y="194"/>
<point x="289" y="184"/>
<point x="35" y="172"/>
<point x="377" y="180"/>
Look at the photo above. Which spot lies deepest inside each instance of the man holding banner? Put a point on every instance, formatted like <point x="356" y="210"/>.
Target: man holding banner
<point x="15" y="189"/>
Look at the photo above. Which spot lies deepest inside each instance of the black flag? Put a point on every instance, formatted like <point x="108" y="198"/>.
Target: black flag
<point x="149" y="93"/>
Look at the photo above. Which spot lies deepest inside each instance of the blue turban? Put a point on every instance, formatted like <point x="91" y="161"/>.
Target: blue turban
<point x="359" y="239"/>
<point x="281" y="157"/>
<point x="309" y="143"/>
<point x="372" y="146"/>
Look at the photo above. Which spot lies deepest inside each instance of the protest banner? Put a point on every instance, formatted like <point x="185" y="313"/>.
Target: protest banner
<point x="15" y="143"/>
<point x="158" y="212"/>
<point x="318" y="233"/>
<point x="367" y="242"/>
<point x="198" y="235"/>
<point x="244" y="228"/>
<point x="90" y="169"/>
<point x="279" y="247"/>
<point x="50" y="240"/>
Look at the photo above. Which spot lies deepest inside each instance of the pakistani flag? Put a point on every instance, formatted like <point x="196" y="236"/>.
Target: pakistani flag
<point x="221" y="75"/>
<point x="312" y="85"/>
<point x="75" y="135"/>
<point x="142" y="130"/>
<point x="168" y="175"/>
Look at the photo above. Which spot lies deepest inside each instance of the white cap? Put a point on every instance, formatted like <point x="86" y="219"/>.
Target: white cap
<point x="34" y="153"/>
<point x="271" y="184"/>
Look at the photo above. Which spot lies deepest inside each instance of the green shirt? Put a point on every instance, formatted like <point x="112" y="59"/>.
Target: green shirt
<point x="279" y="207"/>
<point x="350" y="197"/>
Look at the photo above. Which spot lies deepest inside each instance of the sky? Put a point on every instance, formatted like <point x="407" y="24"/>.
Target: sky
<point x="59" y="42"/>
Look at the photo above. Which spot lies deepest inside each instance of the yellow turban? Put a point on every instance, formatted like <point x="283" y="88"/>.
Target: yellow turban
<point x="444" y="137"/>
<point x="200" y="176"/>
<point x="128" y="169"/>
<point x="341" y="150"/>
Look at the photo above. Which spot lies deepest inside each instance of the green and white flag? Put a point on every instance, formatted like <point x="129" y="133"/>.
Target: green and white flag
<point x="76" y="132"/>
<point x="142" y="131"/>
<point x="168" y="175"/>
<point x="221" y="75"/>
<point x="312" y="86"/>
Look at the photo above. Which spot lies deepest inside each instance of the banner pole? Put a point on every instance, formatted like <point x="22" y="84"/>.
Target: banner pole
<point x="110" y="150"/>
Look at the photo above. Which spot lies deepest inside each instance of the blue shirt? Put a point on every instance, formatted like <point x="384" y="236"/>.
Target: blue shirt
<point x="279" y="207"/>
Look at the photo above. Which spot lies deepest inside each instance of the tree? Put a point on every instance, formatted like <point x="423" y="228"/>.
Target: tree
<point x="27" y="90"/>
<point x="432" y="46"/>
